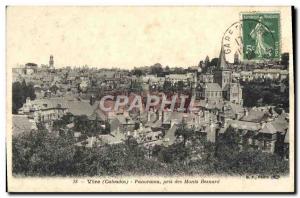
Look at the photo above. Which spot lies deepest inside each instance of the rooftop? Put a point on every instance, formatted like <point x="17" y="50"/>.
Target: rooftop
<point x="255" y="116"/>
<point x="21" y="124"/>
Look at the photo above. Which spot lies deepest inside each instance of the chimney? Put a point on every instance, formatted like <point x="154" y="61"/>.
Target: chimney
<point x="92" y="141"/>
<point x="148" y="116"/>
<point x="184" y="118"/>
<point x="135" y="133"/>
<point x="225" y="122"/>
<point x="206" y="116"/>
<point x="159" y="114"/>
<point x="245" y="112"/>
<point x="171" y="123"/>
<point x="28" y="100"/>
<point x="263" y="124"/>
<point x="236" y="116"/>
<point x="199" y="117"/>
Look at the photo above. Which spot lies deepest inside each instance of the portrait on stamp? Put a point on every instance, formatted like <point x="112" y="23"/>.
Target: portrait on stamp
<point x="261" y="33"/>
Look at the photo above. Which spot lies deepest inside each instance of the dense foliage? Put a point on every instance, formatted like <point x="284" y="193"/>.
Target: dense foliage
<point x="20" y="91"/>
<point x="265" y="92"/>
<point x="40" y="153"/>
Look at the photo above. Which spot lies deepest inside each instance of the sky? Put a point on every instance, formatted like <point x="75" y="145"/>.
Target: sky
<point x="123" y="37"/>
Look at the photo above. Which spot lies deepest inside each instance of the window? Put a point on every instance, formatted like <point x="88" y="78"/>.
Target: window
<point x="267" y="145"/>
<point x="250" y="141"/>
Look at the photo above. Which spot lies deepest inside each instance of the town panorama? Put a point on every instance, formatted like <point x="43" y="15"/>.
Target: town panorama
<point x="213" y="118"/>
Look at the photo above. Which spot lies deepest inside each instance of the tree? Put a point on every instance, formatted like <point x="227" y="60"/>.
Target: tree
<point x="54" y="89"/>
<point x="156" y="69"/>
<point x="285" y="59"/>
<point x="61" y="123"/>
<point x="17" y="96"/>
<point x="40" y="153"/>
<point x="21" y="91"/>
<point x="136" y="87"/>
<point x="185" y="132"/>
<point x="268" y="97"/>
<point x="214" y="62"/>
<point x="137" y="72"/>
<point x="206" y="62"/>
<point x="167" y="70"/>
<point x="180" y="85"/>
<point x="167" y="86"/>
<point x="227" y="149"/>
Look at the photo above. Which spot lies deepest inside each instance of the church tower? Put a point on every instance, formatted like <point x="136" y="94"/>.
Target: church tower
<point x="51" y="62"/>
<point x="222" y="74"/>
<point x="236" y="60"/>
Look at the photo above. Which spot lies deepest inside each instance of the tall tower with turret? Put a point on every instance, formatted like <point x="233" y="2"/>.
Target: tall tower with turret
<point x="236" y="58"/>
<point x="223" y="73"/>
<point x="51" y="62"/>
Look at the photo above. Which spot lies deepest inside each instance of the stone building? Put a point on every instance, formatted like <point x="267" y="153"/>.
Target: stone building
<point x="221" y="86"/>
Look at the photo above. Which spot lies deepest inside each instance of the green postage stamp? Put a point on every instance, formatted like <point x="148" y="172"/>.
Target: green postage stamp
<point x="261" y="36"/>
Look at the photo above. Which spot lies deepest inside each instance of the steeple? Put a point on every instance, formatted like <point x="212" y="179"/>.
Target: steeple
<point x="51" y="62"/>
<point x="222" y="65"/>
<point x="222" y="74"/>
<point x="236" y="58"/>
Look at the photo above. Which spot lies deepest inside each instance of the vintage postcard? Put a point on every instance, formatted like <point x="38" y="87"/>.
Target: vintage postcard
<point x="150" y="99"/>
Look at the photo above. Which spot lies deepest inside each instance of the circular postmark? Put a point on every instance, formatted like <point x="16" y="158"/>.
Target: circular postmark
<point x="248" y="39"/>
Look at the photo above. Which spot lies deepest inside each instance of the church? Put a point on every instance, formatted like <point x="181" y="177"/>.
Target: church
<point x="222" y="87"/>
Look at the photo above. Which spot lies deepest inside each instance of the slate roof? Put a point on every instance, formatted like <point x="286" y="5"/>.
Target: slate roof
<point x="210" y="104"/>
<point x="124" y="119"/>
<point x="231" y="86"/>
<point x="221" y="61"/>
<point x="74" y="106"/>
<point x="236" y="108"/>
<point x="286" y="138"/>
<point x="80" y="108"/>
<point x="280" y="124"/>
<point x="238" y="124"/>
<point x="255" y="116"/>
<point x="212" y="87"/>
<point x="170" y="135"/>
<point x="268" y="128"/>
<point x="174" y="116"/>
<point x="279" y="71"/>
<point x="112" y="139"/>
<point x="21" y="124"/>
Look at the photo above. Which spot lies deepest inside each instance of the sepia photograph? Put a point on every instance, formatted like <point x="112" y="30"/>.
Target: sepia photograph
<point x="150" y="99"/>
